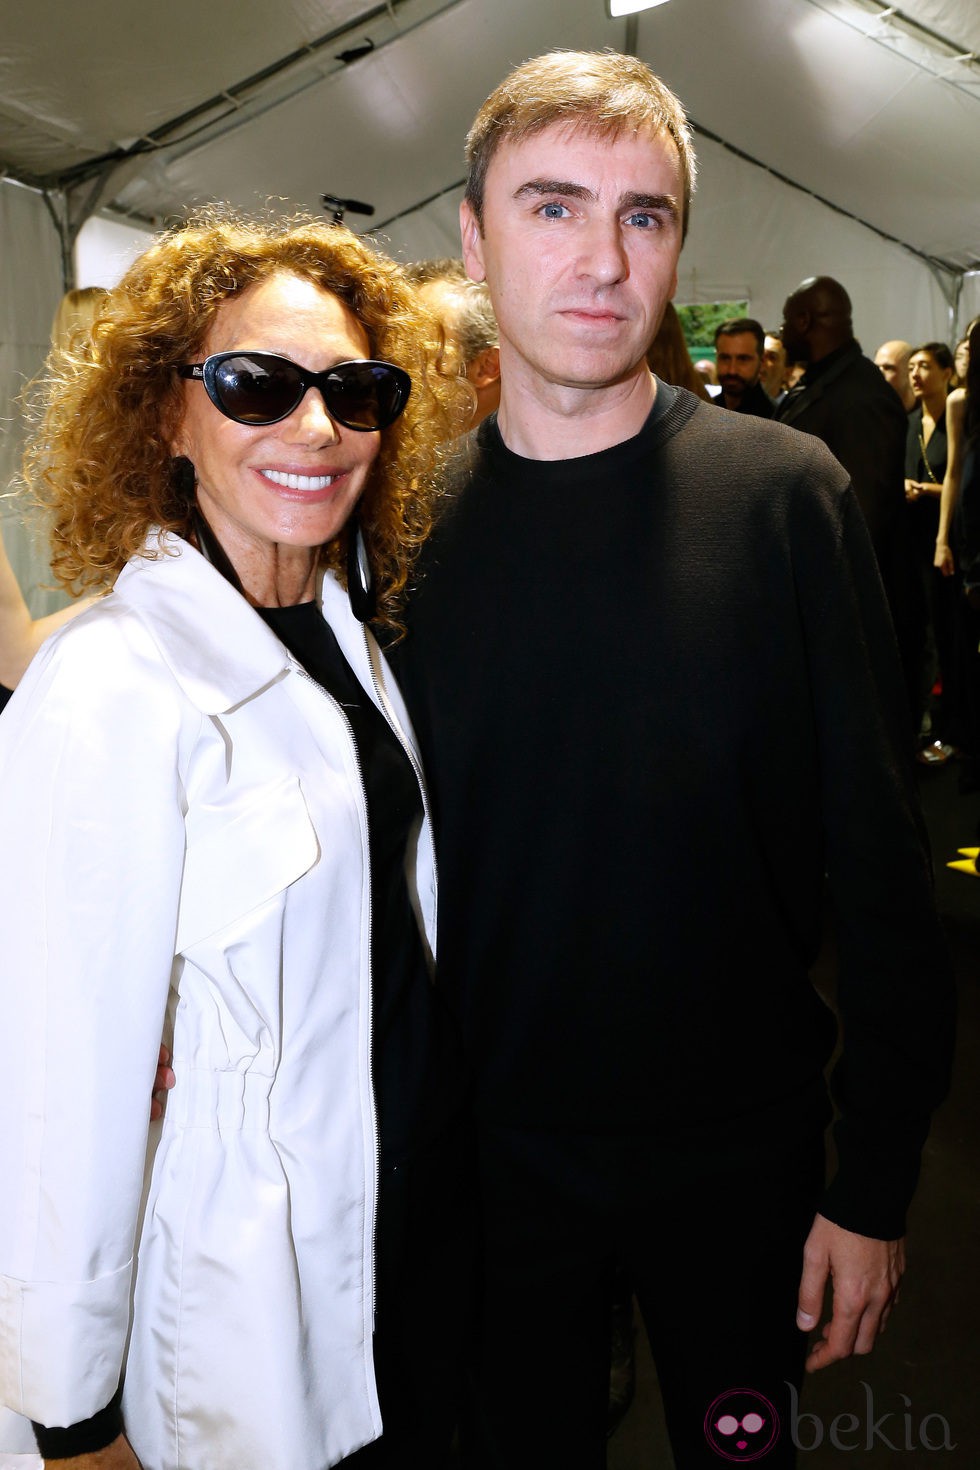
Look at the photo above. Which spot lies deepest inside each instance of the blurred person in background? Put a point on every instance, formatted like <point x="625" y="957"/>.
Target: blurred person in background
<point x="738" y="360"/>
<point x="846" y="401"/>
<point x="961" y="362"/>
<point x="464" y="309"/>
<point x="707" y="372"/>
<point x="20" y="634"/>
<point x="930" y="371"/>
<point x="893" y="360"/>
<point x="774" y="365"/>
<point x="958" y="554"/>
<point x="669" y="358"/>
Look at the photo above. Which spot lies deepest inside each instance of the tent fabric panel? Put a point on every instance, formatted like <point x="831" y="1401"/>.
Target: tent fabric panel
<point x="749" y="227"/>
<point x="30" y="289"/>
<point x="153" y="67"/>
<point x="799" y="89"/>
<point x="389" y="129"/>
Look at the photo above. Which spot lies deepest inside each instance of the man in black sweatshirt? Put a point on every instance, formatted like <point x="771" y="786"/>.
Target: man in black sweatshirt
<point x="654" y="681"/>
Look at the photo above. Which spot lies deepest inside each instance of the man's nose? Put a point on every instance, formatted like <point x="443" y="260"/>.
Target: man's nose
<point x="604" y="254"/>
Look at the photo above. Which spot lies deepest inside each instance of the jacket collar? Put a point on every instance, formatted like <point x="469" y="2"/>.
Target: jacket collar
<point x="217" y="647"/>
<point x="817" y="379"/>
<point x="827" y="366"/>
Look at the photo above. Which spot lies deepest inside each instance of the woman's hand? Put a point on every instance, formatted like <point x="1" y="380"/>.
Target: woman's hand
<point x="162" y="1083"/>
<point x="116" y="1456"/>
<point x="943" y="559"/>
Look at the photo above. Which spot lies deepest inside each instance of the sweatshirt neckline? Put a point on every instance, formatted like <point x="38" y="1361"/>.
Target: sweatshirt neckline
<point x="672" y="407"/>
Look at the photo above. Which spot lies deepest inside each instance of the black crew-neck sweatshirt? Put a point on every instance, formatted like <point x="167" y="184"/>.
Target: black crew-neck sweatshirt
<point x="657" y="698"/>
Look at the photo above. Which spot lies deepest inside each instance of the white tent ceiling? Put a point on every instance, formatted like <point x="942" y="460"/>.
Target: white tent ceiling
<point x="150" y="109"/>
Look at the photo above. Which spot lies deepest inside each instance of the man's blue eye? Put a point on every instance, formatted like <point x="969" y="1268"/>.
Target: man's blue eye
<point x="641" y="219"/>
<point x="553" y="211"/>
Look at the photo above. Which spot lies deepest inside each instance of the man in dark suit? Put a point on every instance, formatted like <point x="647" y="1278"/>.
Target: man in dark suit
<point x="844" y="400"/>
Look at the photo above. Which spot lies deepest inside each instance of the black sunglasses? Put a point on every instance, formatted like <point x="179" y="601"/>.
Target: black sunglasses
<point x="262" y="388"/>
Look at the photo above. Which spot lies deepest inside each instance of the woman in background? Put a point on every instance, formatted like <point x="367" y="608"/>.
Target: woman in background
<point x="78" y="311"/>
<point x="930" y="371"/>
<point x="669" y="358"/>
<point x="21" y="635"/>
<point x="958" y="552"/>
<point x="961" y="360"/>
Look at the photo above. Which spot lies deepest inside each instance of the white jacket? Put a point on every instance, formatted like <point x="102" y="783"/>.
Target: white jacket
<point x="183" y="824"/>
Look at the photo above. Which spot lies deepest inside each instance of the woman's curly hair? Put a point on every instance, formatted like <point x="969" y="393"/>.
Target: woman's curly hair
<point x="103" y="415"/>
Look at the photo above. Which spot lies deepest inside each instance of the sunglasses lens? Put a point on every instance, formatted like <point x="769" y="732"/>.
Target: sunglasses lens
<point x="366" y="395"/>
<point x="257" y="389"/>
<point x="262" y="388"/>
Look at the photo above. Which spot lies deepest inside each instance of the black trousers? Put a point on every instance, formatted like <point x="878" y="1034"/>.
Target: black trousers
<point x="714" y="1252"/>
<point x="424" y="1271"/>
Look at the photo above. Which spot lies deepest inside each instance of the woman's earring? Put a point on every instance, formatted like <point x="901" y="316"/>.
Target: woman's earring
<point x="183" y="478"/>
<point x="360" y="580"/>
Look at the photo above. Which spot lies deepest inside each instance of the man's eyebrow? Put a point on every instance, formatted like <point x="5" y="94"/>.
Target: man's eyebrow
<point x="538" y="188"/>
<point x="651" y="202"/>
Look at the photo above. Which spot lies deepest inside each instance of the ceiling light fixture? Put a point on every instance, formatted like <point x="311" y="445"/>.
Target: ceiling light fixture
<point x="616" y="8"/>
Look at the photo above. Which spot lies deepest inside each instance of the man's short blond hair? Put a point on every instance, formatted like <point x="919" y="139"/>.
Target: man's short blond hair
<point x="603" y="92"/>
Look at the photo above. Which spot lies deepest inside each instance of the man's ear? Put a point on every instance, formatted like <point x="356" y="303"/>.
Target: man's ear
<point x="472" y="241"/>
<point x="485" y="368"/>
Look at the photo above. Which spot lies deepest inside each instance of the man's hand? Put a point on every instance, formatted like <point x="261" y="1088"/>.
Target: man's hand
<point x="162" y="1083"/>
<point x="115" y="1456"/>
<point x="865" y="1274"/>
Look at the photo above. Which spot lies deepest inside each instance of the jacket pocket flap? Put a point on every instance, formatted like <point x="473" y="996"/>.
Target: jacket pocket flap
<point x="240" y="857"/>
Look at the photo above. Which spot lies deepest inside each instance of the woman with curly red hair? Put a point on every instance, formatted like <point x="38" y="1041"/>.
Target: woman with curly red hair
<point x="215" y="830"/>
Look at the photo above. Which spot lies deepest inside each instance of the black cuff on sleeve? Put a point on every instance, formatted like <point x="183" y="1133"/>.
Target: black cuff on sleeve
<point x="83" y="1438"/>
<point x="878" y="1168"/>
